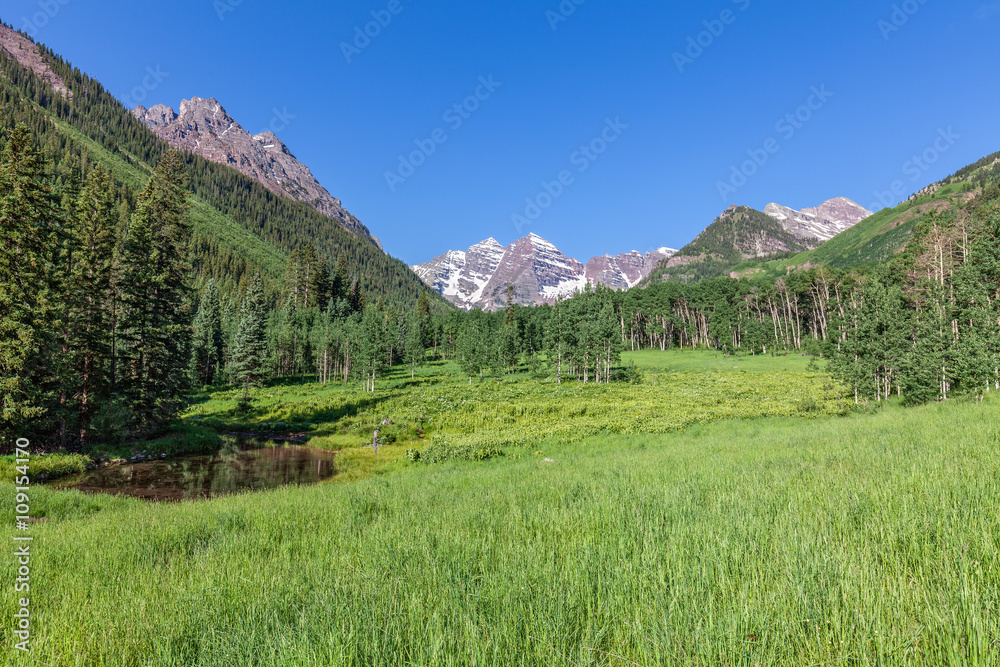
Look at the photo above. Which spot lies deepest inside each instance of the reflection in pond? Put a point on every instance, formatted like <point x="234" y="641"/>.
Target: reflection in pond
<point x="232" y="470"/>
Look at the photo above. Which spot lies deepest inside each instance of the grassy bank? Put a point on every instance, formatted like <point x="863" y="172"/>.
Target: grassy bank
<point x="861" y="540"/>
<point x="43" y="466"/>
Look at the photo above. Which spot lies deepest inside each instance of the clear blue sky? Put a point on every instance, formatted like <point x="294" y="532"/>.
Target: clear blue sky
<point x="655" y="185"/>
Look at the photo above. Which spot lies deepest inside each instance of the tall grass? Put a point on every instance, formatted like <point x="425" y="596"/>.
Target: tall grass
<point x="865" y="540"/>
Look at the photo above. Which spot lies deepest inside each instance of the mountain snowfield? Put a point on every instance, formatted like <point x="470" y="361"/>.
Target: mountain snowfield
<point x="821" y="223"/>
<point x="540" y="273"/>
<point x="538" y="270"/>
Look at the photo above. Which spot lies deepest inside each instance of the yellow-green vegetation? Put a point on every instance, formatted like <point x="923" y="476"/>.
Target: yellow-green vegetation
<point x="657" y="363"/>
<point x="441" y="406"/>
<point x="870" y="539"/>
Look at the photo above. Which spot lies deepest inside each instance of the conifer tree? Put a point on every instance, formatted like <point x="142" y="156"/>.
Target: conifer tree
<point x="28" y="216"/>
<point x="339" y="280"/>
<point x="249" y="352"/>
<point x="89" y="298"/>
<point x="155" y="319"/>
<point x="207" y="339"/>
<point x="424" y="319"/>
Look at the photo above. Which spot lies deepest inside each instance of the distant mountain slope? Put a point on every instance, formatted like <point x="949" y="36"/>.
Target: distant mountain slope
<point x="821" y="223"/>
<point x="738" y="234"/>
<point x="625" y="271"/>
<point x="241" y="227"/>
<point x="203" y="127"/>
<point x="460" y="276"/>
<point x="886" y="233"/>
<point x="478" y="277"/>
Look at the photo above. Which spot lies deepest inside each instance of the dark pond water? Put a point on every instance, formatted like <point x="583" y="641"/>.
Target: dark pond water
<point x="239" y="467"/>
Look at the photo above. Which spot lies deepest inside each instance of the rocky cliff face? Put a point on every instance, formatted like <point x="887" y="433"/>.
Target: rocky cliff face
<point x="539" y="272"/>
<point x="462" y="276"/>
<point x="821" y="223"/>
<point x="624" y="272"/>
<point x="202" y="126"/>
<point x="26" y="52"/>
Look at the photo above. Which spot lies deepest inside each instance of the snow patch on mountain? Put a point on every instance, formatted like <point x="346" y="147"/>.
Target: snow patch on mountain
<point x="538" y="270"/>
<point x="821" y="223"/>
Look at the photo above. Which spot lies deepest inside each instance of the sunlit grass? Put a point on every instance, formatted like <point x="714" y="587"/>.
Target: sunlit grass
<point x="440" y="405"/>
<point x="48" y="466"/>
<point x="673" y="361"/>
<point x="790" y="539"/>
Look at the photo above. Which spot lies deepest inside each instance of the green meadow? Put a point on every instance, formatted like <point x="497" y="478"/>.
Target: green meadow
<point x="721" y="512"/>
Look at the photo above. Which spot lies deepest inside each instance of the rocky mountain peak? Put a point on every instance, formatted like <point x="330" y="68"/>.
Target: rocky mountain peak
<point x="539" y="271"/>
<point x="821" y="223"/>
<point x="269" y="139"/>
<point x="489" y="244"/>
<point x="158" y="115"/>
<point x="203" y="126"/>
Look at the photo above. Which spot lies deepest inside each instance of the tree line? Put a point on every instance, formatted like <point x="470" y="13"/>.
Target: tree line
<point x="107" y="327"/>
<point x="107" y="330"/>
<point x="922" y="326"/>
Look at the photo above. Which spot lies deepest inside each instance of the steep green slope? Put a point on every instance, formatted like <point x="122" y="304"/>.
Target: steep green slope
<point x="215" y="234"/>
<point x="241" y="226"/>
<point x="878" y="238"/>
<point x="738" y="234"/>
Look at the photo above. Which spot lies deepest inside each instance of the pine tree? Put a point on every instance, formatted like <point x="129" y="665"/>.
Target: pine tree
<point x="155" y="319"/>
<point x="249" y="352"/>
<point x="355" y="297"/>
<point x="424" y="318"/>
<point x="89" y="298"/>
<point x="340" y="281"/>
<point x="207" y="340"/>
<point x="28" y="214"/>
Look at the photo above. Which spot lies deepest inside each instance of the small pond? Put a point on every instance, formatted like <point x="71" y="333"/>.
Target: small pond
<point x="242" y="465"/>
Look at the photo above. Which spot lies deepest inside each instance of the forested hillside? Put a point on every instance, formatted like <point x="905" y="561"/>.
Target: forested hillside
<point x="130" y="274"/>
<point x="240" y="226"/>
<point x="738" y="234"/>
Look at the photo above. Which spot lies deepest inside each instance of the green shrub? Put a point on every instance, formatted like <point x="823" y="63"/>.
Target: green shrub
<point x="441" y="452"/>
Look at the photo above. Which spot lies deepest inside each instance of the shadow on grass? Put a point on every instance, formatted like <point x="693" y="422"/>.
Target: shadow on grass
<point x="258" y="417"/>
<point x="349" y="409"/>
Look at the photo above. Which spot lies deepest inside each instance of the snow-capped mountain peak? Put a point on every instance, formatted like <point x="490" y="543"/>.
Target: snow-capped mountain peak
<point x="539" y="271"/>
<point x="823" y="222"/>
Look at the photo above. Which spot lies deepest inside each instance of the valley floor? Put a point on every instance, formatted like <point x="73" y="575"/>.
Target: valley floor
<point x="749" y="524"/>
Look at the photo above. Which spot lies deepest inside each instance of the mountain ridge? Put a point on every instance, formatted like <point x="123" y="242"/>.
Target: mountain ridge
<point x="741" y="234"/>
<point x="241" y="228"/>
<point x="822" y="222"/>
<point x="540" y="272"/>
<point x="202" y="126"/>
